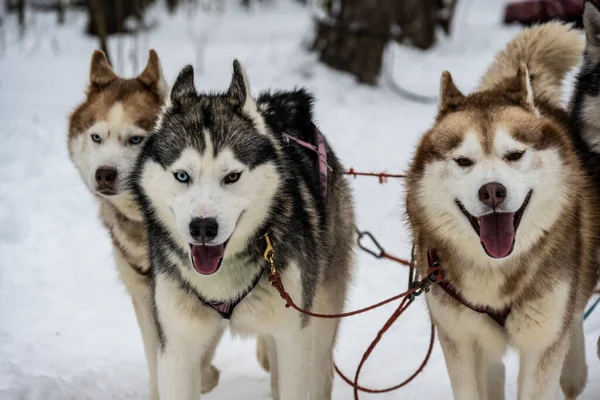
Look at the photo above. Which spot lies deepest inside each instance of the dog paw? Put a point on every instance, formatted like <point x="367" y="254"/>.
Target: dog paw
<point x="210" y="378"/>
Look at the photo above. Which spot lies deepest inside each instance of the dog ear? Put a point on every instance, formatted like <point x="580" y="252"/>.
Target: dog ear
<point x="591" y="23"/>
<point x="152" y="75"/>
<point x="450" y="96"/>
<point x="183" y="88"/>
<point x="238" y="94"/>
<point x="520" y="89"/>
<point x="101" y="74"/>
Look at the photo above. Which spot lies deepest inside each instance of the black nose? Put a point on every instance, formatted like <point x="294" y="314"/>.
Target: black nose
<point x="492" y="194"/>
<point x="204" y="229"/>
<point x="106" y="176"/>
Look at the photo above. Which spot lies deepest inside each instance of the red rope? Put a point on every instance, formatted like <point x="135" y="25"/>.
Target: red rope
<point x="400" y="385"/>
<point x="276" y="282"/>
<point x="394" y="258"/>
<point x="383" y="176"/>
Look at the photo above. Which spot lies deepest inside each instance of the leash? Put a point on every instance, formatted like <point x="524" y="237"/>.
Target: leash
<point x="416" y="289"/>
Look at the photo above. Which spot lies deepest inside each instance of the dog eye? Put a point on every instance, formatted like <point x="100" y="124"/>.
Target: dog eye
<point x="136" y="139"/>
<point x="96" y="138"/>
<point x="232" y="177"/>
<point x="464" y="162"/>
<point x="514" y="155"/>
<point x="182" y="176"/>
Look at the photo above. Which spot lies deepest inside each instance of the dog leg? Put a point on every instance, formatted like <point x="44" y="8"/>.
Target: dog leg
<point x="539" y="371"/>
<point x="294" y="351"/>
<point x="187" y="332"/>
<point x="324" y="335"/>
<point x="574" y="373"/>
<point x="210" y="374"/>
<point x="270" y="349"/>
<point x="143" y="313"/>
<point x="490" y="376"/>
<point x="461" y="364"/>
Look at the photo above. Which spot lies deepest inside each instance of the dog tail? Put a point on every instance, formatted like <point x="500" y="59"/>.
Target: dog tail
<point x="550" y="51"/>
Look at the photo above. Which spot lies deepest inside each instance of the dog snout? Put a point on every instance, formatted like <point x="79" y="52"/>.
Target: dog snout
<point x="106" y="175"/>
<point x="204" y="229"/>
<point x="106" y="179"/>
<point x="492" y="194"/>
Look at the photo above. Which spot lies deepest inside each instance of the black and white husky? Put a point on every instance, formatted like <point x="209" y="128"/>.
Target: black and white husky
<point x="225" y="171"/>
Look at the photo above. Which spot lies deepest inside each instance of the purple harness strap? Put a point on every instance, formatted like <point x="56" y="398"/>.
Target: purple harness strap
<point x="321" y="151"/>
<point x="225" y="308"/>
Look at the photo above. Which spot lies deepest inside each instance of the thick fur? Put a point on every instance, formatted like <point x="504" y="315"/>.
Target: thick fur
<point x="551" y="272"/>
<point x="118" y="110"/>
<point x="208" y="137"/>
<point x="585" y="102"/>
<point x="550" y="51"/>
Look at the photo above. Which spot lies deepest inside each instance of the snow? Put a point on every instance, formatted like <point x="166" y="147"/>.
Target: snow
<point x="67" y="329"/>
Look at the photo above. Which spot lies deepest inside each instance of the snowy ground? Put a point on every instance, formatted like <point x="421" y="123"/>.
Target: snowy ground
<point x="67" y="330"/>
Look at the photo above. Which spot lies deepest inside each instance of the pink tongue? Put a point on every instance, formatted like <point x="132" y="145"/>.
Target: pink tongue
<point x="497" y="233"/>
<point x="207" y="259"/>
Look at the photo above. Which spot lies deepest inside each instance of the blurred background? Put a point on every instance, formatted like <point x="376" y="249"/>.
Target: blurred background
<point x="67" y="328"/>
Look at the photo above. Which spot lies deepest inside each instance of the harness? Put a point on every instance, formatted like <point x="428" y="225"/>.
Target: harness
<point x="225" y="308"/>
<point x="497" y="315"/>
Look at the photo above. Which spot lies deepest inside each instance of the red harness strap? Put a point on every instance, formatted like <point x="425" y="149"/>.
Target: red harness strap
<point x="496" y="315"/>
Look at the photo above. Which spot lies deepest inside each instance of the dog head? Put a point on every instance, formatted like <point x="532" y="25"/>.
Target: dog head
<point x="209" y="174"/>
<point x="106" y="132"/>
<point x="490" y="176"/>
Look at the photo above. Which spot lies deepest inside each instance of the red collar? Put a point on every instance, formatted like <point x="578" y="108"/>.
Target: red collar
<point x="497" y="315"/>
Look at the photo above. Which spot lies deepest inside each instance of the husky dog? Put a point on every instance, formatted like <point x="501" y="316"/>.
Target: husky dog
<point x="498" y="201"/>
<point x="215" y="182"/>
<point x="585" y="103"/>
<point x="106" y="133"/>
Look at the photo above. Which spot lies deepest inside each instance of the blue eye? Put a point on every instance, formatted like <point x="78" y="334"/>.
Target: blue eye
<point x="96" y="138"/>
<point x="135" y="139"/>
<point x="182" y="176"/>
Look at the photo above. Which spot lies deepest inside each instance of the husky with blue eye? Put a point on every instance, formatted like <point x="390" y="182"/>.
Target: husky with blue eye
<point x="223" y="173"/>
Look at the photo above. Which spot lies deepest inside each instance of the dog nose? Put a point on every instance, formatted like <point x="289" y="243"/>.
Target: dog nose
<point x="492" y="194"/>
<point x="204" y="229"/>
<point x="106" y="176"/>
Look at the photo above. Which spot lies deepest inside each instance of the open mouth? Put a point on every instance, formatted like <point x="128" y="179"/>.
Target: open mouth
<point x="497" y="230"/>
<point x="207" y="259"/>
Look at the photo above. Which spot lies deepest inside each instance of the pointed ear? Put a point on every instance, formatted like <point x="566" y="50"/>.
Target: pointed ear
<point x="152" y="75"/>
<point x="101" y="74"/>
<point x="238" y="94"/>
<point x="521" y="90"/>
<point x="450" y="96"/>
<point x="183" y="88"/>
<point x="591" y="23"/>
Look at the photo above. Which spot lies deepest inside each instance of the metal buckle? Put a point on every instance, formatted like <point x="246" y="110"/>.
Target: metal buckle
<point x="368" y="234"/>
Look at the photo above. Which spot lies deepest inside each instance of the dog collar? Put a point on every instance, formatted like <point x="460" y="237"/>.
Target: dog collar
<point x="497" y="315"/>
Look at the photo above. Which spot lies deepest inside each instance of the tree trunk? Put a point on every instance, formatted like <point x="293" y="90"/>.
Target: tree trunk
<point x="354" y="37"/>
<point x="115" y="12"/>
<point x="60" y="12"/>
<point x="21" y="13"/>
<point x="98" y="20"/>
<point x="417" y="20"/>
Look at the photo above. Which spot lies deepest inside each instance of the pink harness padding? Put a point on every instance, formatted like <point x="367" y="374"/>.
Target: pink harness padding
<point x="321" y="151"/>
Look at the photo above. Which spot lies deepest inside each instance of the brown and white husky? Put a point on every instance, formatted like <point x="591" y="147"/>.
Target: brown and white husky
<point x="496" y="195"/>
